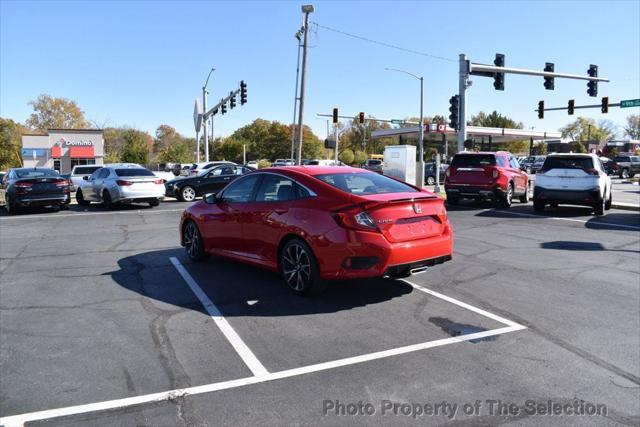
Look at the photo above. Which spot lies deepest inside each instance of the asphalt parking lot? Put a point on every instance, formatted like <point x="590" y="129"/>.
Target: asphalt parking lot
<point x="104" y="321"/>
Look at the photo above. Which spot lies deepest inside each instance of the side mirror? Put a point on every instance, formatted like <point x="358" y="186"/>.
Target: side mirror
<point x="210" y="198"/>
<point x="86" y="178"/>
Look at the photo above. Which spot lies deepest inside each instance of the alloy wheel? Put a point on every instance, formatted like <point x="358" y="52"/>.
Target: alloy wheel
<point x="296" y="267"/>
<point x="192" y="240"/>
<point x="188" y="194"/>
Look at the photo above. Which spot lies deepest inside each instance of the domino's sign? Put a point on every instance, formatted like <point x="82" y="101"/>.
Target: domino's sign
<point x="66" y="143"/>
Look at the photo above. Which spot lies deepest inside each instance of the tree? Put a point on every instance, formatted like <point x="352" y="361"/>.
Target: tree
<point x="165" y="136"/>
<point x="178" y="152"/>
<point x="56" y="113"/>
<point x="10" y="143"/>
<point x="229" y="149"/>
<point x="632" y="129"/>
<point x="584" y="129"/>
<point x="494" y="120"/>
<point x="346" y="156"/>
<point x="359" y="157"/>
<point x="136" y="147"/>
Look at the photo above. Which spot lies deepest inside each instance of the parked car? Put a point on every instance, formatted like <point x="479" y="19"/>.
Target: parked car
<point x="486" y="175"/>
<point x="209" y="181"/>
<point x="373" y="165"/>
<point x="80" y="171"/>
<point x="574" y="179"/>
<point x="610" y="167"/>
<point x="320" y="223"/>
<point x="29" y="187"/>
<point x="67" y="176"/>
<point x="252" y="164"/>
<point x="628" y="166"/>
<point x="111" y="185"/>
<point x="532" y="164"/>
<point x="430" y="172"/>
<point x="283" y="162"/>
<point x="197" y="168"/>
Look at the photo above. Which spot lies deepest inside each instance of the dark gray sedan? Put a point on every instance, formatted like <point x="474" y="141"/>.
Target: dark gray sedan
<point x="30" y="187"/>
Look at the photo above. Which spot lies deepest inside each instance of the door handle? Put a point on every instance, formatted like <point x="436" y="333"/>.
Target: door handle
<point x="281" y="211"/>
<point x="227" y="178"/>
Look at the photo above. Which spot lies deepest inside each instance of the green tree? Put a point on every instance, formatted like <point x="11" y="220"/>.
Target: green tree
<point x="229" y="149"/>
<point x="178" y="152"/>
<point x="165" y="136"/>
<point x="136" y="147"/>
<point x="494" y="120"/>
<point x="359" y="157"/>
<point x="632" y="128"/>
<point x="10" y="143"/>
<point x="56" y="113"/>
<point x="586" y="129"/>
<point x="346" y="156"/>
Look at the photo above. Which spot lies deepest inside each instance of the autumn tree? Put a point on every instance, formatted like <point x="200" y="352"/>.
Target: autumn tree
<point x="10" y="143"/>
<point x="632" y="129"/>
<point x="136" y="146"/>
<point x="586" y="129"/>
<point x="494" y="120"/>
<point x="178" y="152"/>
<point x="56" y="113"/>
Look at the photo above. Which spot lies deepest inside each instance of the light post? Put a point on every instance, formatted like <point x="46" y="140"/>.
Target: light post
<point x="421" y="143"/>
<point x="204" y="121"/>
<point x="298" y="36"/>
<point x="306" y="9"/>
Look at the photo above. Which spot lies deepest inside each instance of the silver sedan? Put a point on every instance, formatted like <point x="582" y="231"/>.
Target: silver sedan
<point x="119" y="185"/>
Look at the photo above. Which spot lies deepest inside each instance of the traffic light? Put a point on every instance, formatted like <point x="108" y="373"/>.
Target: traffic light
<point x="232" y="101"/>
<point x="454" y="108"/>
<point x="592" y="86"/>
<point x="361" y="117"/>
<point x="549" y="83"/>
<point x="571" y="107"/>
<point x="541" y="109"/>
<point x="498" y="78"/>
<point x="223" y="107"/>
<point x="335" y="116"/>
<point x="243" y="92"/>
<point x="604" y="106"/>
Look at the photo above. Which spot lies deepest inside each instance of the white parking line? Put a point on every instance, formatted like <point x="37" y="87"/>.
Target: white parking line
<point x="19" y="420"/>
<point x="80" y="214"/>
<point x="234" y="339"/>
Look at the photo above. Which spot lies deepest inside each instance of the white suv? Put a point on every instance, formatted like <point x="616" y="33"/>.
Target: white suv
<point x="573" y="179"/>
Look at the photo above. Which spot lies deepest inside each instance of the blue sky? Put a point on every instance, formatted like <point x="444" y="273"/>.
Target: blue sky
<point x="142" y="64"/>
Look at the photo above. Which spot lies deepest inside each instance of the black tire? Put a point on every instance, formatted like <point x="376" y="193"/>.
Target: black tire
<point x="452" y="200"/>
<point x="431" y="180"/>
<point x="507" y="200"/>
<point x="538" y="206"/>
<point x="299" y="268"/>
<point x="106" y="200"/>
<point x="599" y="207"/>
<point x="81" y="200"/>
<point x="525" y="198"/>
<point x="64" y="206"/>
<point x="8" y="206"/>
<point x="154" y="203"/>
<point x="187" y="194"/>
<point x="631" y="174"/>
<point x="607" y="205"/>
<point x="193" y="243"/>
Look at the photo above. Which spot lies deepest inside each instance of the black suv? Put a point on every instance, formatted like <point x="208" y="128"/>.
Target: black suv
<point x="628" y="166"/>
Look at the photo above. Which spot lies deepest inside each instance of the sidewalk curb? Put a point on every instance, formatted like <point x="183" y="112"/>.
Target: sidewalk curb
<point x="626" y="206"/>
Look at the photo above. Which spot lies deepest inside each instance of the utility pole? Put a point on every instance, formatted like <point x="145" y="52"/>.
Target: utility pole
<point x="298" y="37"/>
<point x="336" y="153"/>
<point x="462" y="88"/>
<point x="204" y="122"/>
<point x="306" y="9"/>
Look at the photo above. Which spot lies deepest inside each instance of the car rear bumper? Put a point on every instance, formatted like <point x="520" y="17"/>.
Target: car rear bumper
<point x="125" y="195"/>
<point x="42" y="200"/>
<point x="369" y="254"/>
<point x="571" y="197"/>
<point x="474" y="191"/>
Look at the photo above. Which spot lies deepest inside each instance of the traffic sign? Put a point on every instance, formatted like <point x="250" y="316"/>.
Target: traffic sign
<point x="627" y="103"/>
<point x="197" y="115"/>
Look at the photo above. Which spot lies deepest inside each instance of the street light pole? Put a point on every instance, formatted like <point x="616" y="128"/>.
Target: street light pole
<point x="298" y="36"/>
<point x="420" y="174"/>
<point x="204" y="121"/>
<point x="306" y="9"/>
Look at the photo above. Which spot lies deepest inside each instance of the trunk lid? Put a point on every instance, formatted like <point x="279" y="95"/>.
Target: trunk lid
<point x="472" y="169"/>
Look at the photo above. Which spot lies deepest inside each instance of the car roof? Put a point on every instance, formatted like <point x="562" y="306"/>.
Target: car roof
<point x="572" y="155"/>
<point x="467" y="153"/>
<point x="32" y="169"/>
<point x="317" y="169"/>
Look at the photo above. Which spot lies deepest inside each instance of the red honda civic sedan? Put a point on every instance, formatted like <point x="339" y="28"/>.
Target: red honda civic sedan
<point x="316" y="223"/>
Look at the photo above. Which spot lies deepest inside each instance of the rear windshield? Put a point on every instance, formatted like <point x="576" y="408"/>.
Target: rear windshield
<point x="567" y="163"/>
<point x="35" y="173"/>
<point x="134" y="172"/>
<point x="473" y="160"/>
<point x="85" y="170"/>
<point x="374" y="162"/>
<point x="622" y="159"/>
<point x="365" y="183"/>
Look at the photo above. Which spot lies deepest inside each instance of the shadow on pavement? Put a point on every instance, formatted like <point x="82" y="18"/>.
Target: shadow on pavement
<point x="580" y="246"/>
<point x="241" y="290"/>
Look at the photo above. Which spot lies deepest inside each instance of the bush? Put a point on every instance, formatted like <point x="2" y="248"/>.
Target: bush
<point x="346" y="156"/>
<point x="263" y="163"/>
<point x="360" y="157"/>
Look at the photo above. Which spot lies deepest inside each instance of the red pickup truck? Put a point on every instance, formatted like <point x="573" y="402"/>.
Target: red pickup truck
<point x="485" y="175"/>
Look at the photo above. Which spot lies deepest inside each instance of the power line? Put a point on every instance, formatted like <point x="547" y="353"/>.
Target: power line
<point x="404" y="49"/>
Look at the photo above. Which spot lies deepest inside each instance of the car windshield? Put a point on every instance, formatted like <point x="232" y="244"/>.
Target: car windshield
<point x="85" y="170"/>
<point x="365" y="183"/>
<point x="622" y="159"/>
<point x="466" y="160"/>
<point x="567" y="163"/>
<point x="375" y="162"/>
<point x="35" y="173"/>
<point x="134" y="172"/>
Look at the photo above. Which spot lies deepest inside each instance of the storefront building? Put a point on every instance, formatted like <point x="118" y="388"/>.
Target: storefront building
<point x="62" y="149"/>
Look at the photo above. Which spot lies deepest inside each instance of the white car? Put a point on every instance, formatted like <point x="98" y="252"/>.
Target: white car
<point x="283" y="162"/>
<point x="121" y="184"/>
<point x="196" y="168"/>
<point x="80" y="171"/>
<point x="573" y="179"/>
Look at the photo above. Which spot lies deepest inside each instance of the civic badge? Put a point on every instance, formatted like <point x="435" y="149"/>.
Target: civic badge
<point x="417" y="208"/>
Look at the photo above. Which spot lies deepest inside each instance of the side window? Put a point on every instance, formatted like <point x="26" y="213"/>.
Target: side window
<point x="95" y="174"/>
<point x="301" y="192"/>
<point x="240" y="190"/>
<point x="600" y="165"/>
<point x="513" y="162"/>
<point x="275" y="188"/>
<point x="216" y="172"/>
<point x="104" y="172"/>
<point x="502" y="161"/>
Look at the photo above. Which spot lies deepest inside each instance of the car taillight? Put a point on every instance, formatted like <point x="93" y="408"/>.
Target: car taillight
<point x="451" y="171"/>
<point x="359" y="220"/>
<point x="592" y="171"/>
<point x="23" y="187"/>
<point x="159" y="181"/>
<point x="495" y="173"/>
<point x="123" y="182"/>
<point x="62" y="183"/>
